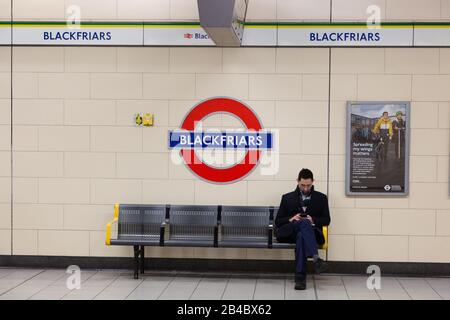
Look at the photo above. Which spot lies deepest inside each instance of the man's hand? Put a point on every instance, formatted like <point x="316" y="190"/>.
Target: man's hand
<point x="295" y="218"/>
<point x="308" y="217"/>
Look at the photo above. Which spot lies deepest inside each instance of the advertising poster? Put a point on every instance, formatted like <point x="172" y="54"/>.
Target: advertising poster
<point x="377" y="148"/>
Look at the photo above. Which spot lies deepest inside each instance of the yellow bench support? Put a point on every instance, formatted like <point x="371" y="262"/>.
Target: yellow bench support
<point x="108" y="226"/>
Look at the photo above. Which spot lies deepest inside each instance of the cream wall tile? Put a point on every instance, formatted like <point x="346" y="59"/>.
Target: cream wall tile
<point x="350" y="10"/>
<point x="5" y="111"/>
<point x="421" y="168"/>
<point x="269" y="193"/>
<point x="381" y="248"/>
<point x="109" y="191"/>
<point x="70" y="243"/>
<point x="169" y="86"/>
<point x="64" y="85"/>
<point x="25" y="190"/>
<point x="303" y="10"/>
<point x="142" y="165"/>
<point x="25" y="242"/>
<point x="5" y="137"/>
<point x="430" y="142"/>
<point x="443" y="223"/>
<point x="444" y="59"/>
<point x="87" y="217"/>
<point x="25" y="138"/>
<point x="38" y="164"/>
<point x="86" y="59"/>
<point x="314" y="141"/>
<point x="443" y="169"/>
<point x="315" y="87"/>
<point x="37" y="216"/>
<point x="337" y="167"/>
<point x="231" y="194"/>
<point x="337" y="197"/>
<point x="62" y="191"/>
<point x="419" y="249"/>
<point x="64" y="138"/>
<point x="5" y="216"/>
<point x="413" y="10"/>
<point x="275" y="87"/>
<point x="424" y="115"/>
<point x="143" y="9"/>
<point x="356" y="221"/>
<point x="5" y="242"/>
<point x="290" y="165"/>
<point x="5" y="191"/>
<point x="343" y="87"/>
<point x="37" y="112"/>
<point x="5" y="55"/>
<point x="195" y="60"/>
<point x="47" y="10"/>
<point x="290" y="140"/>
<point x="98" y="10"/>
<point x="183" y="10"/>
<point x="168" y="191"/>
<point x="445" y="9"/>
<point x="116" y="139"/>
<point x="262" y="10"/>
<point x="25" y="85"/>
<point x="337" y="141"/>
<point x="387" y="203"/>
<point x="222" y="85"/>
<point x="38" y="59"/>
<point x="249" y="60"/>
<point x="304" y="60"/>
<point x="444" y="115"/>
<point x="116" y="85"/>
<point x="89" y="165"/>
<point x="126" y="110"/>
<point x="430" y="88"/>
<point x="341" y="248"/>
<point x="409" y="222"/>
<point x="5" y="85"/>
<point x="412" y="61"/>
<point x="350" y="61"/>
<point x="142" y="59"/>
<point x="338" y="114"/>
<point x="312" y="114"/>
<point x="156" y="140"/>
<point x="385" y="87"/>
<point x="5" y="10"/>
<point x="89" y="112"/>
<point x="435" y="193"/>
<point x="221" y="253"/>
<point x="98" y="248"/>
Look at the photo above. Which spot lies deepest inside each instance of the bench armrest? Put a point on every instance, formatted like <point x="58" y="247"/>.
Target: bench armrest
<point x="325" y="235"/>
<point x="162" y="232"/>
<point x="109" y="224"/>
<point x="270" y="235"/>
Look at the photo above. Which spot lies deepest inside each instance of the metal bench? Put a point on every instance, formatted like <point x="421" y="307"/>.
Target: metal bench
<point x="193" y="226"/>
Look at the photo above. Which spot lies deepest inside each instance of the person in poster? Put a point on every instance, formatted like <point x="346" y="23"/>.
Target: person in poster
<point x="377" y="160"/>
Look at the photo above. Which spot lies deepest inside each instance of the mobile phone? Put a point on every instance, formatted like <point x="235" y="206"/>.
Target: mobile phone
<point x="303" y="215"/>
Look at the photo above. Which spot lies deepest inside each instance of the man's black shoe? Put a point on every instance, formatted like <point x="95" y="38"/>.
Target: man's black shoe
<point x="300" y="284"/>
<point x="320" y="266"/>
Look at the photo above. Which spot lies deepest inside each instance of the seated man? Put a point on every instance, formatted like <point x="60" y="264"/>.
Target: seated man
<point x="300" y="218"/>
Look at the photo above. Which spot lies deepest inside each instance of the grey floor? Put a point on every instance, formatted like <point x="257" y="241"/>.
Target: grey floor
<point x="43" y="284"/>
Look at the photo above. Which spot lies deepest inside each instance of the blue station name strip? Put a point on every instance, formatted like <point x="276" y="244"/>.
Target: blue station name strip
<point x="220" y="140"/>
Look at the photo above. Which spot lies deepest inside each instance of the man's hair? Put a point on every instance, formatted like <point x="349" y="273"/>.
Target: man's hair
<point x="305" y="174"/>
<point x="385" y="113"/>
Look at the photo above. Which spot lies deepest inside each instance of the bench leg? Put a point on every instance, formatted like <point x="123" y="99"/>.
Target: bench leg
<point x="142" y="259"/>
<point x="136" y="262"/>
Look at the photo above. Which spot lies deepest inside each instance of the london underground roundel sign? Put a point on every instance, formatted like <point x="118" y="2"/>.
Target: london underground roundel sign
<point x="253" y="139"/>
